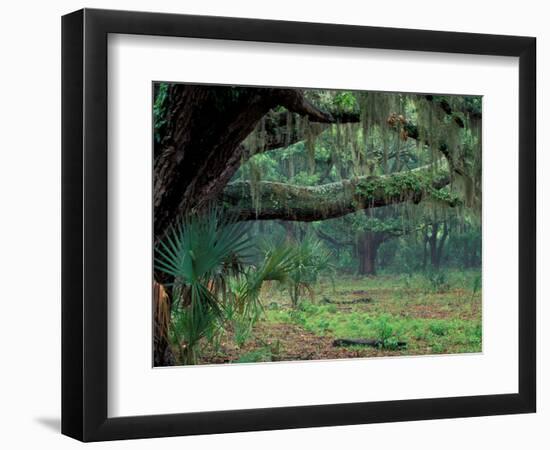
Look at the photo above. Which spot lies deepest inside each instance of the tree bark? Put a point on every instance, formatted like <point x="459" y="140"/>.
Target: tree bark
<point x="162" y="353"/>
<point x="202" y="148"/>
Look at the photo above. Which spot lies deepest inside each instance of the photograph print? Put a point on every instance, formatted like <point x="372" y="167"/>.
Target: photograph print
<point x="299" y="224"/>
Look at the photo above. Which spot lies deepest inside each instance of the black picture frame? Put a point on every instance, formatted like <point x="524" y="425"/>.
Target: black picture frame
<point x="84" y="224"/>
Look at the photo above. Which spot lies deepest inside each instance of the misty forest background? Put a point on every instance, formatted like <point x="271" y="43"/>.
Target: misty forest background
<point x="296" y="224"/>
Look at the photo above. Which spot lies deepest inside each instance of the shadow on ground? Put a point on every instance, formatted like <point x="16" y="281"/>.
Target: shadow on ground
<point x="52" y="423"/>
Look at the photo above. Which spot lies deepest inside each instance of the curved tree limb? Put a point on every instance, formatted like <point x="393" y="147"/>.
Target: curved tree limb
<point x="278" y="134"/>
<point x="295" y="101"/>
<point x="447" y="109"/>
<point x="312" y="203"/>
<point x="332" y="240"/>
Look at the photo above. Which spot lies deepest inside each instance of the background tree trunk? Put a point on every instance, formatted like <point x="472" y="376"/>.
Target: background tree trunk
<point x="368" y="243"/>
<point x="437" y="242"/>
<point x="441" y="244"/>
<point x="433" y="245"/>
<point x="426" y="238"/>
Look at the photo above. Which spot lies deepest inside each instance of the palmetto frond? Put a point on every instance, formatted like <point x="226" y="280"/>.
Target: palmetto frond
<point x="276" y="266"/>
<point x="200" y="247"/>
<point x="201" y="253"/>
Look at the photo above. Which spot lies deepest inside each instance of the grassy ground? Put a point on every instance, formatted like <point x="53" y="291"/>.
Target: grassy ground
<point x="432" y="314"/>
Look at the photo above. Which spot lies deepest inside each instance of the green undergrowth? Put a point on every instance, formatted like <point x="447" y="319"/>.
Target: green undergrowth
<point x="431" y="313"/>
<point x="441" y="335"/>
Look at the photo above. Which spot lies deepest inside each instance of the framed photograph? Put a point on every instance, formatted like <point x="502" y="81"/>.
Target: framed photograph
<point x="273" y="225"/>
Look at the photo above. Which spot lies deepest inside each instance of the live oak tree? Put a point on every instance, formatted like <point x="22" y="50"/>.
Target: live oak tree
<point x="205" y="134"/>
<point x="365" y="233"/>
<point x="202" y="144"/>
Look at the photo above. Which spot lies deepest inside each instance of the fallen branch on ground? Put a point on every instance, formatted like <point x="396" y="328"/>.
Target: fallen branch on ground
<point x="347" y="302"/>
<point x="368" y="342"/>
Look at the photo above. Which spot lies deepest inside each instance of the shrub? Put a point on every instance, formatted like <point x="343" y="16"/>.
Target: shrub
<point x="438" y="328"/>
<point x="437" y="281"/>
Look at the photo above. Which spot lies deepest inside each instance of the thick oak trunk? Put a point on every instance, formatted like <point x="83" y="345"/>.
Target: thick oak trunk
<point x="202" y="149"/>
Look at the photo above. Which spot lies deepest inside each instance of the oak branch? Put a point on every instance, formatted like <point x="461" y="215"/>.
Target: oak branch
<point x="272" y="200"/>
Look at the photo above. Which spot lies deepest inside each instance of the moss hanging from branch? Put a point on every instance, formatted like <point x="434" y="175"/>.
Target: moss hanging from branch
<point x="312" y="203"/>
<point x="378" y="142"/>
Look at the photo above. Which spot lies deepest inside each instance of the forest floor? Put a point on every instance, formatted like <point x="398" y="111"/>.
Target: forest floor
<point x="432" y="315"/>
